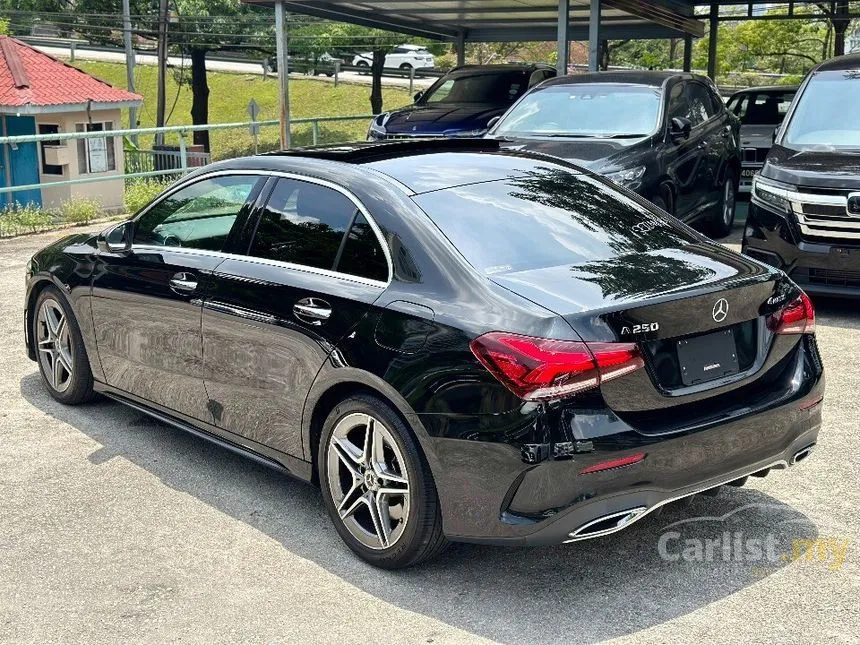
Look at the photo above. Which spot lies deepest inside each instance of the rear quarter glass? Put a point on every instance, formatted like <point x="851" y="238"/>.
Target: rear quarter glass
<point x="546" y="217"/>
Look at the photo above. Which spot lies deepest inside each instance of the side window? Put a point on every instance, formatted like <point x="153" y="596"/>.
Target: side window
<point x="678" y="107"/>
<point x="362" y="256"/>
<point x="701" y="103"/>
<point x="739" y="106"/>
<point x="537" y="77"/>
<point x="441" y="93"/>
<point x="303" y="223"/>
<point x="198" y="216"/>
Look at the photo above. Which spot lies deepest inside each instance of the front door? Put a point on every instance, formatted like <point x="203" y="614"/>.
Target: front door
<point x="684" y="156"/>
<point x="23" y="161"/>
<point x="273" y="316"/>
<point x="147" y="303"/>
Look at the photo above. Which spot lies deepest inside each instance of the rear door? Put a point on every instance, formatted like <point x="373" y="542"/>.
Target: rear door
<point x="275" y="312"/>
<point x="147" y="303"/>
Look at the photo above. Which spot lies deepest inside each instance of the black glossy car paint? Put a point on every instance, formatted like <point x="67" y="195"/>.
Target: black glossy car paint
<point x="261" y="380"/>
<point x="692" y="167"/>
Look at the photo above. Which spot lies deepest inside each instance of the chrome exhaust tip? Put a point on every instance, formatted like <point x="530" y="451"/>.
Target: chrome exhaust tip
<point x="607" y="524"/>
<point x="802" y="454"/>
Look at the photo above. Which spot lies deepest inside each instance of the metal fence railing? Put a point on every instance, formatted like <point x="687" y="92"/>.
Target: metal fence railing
<point x="138" y="161"/>
<point x="142" y="164"/>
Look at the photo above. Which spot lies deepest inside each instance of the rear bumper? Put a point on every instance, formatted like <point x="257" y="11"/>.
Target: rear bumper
<point x="490" y="495"/>
<point x="820" y="268"/>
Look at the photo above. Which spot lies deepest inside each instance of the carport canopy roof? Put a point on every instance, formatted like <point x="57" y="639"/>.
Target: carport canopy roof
<point x="507" y="20"/>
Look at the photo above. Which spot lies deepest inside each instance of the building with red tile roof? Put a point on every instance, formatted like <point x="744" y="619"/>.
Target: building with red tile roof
<point x="40" y="94"/>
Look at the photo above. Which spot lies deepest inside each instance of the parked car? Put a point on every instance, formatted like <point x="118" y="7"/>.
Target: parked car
<point x="455" y="341"/>
<point x="804" y="215"/>
<point x="461" y="103"/>
<point x="760" y="110"/>
<point x="404" y="57"/>
<point x="664" y="135"/>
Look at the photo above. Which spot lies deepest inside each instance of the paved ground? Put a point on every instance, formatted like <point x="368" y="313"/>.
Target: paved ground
<point x="116" y="528"/>
<point x="222" y="66"/>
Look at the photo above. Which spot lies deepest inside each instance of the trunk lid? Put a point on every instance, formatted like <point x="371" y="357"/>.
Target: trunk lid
<point x="697" y="314"/>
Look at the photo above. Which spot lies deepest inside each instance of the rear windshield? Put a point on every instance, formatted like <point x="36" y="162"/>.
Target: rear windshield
<point x="548" y="217"/>
<point x="761" y="108"/>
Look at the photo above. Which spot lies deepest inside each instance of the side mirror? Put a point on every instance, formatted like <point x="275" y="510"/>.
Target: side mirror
<point x="679" y="128"/>
<point x="116" y="239"/>
<point x="493" y="122"/>
<point x="418" y="96"/>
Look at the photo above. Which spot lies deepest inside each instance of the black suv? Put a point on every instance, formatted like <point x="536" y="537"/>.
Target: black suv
<point x="663" y="135"/>
<point x="804" y="214"/>
<point x="460" y="104"/>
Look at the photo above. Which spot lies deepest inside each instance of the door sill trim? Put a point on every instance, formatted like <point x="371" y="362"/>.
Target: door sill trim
<point x="283" y="463"/>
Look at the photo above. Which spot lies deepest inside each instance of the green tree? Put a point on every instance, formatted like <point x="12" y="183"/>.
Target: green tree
<point x="204" y="26"/>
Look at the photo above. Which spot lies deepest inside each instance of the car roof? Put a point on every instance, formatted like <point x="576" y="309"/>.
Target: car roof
<point x="631" y="77"/>
<point x="506" y="67"/>
<point x="418" y="166"/>
<point x="764" y="89"/>
<point x="840" y="63"/>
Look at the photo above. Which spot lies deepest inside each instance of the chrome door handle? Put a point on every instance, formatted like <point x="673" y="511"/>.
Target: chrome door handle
<point x="312" y="311"/>
<point x="183" y="282"/>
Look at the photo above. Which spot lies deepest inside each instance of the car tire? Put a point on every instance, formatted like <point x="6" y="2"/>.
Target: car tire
<point x="363" y="67"/>
<point x="60" y="351"/>
<point x="724" y="217"/>
<point x="387" y="530"/>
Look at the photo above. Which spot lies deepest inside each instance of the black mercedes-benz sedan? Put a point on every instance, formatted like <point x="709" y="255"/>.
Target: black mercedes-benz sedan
<point x="664" y="135"/>
<point x="455" y="342"/>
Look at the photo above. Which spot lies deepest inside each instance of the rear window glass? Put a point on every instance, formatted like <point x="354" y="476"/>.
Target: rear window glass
<point x="761" y="108"/>
<point x="548" y="217"/>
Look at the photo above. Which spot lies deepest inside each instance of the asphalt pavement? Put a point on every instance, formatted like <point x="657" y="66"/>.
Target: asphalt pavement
<point x="116" y="528"/>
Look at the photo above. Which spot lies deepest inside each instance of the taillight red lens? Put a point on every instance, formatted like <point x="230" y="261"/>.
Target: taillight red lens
<point x="538" y="369"/>
<point x="797" y="317"/>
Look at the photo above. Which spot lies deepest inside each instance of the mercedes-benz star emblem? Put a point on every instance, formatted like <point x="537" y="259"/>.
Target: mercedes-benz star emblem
<point x="721" y="310"/>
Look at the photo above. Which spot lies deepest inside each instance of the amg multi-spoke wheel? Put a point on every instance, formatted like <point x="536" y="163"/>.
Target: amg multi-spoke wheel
<point x="60" y="349"/>
<point x="378" y="489"/>
<point x="368" y="481"/>
<point x="54" y="342"/>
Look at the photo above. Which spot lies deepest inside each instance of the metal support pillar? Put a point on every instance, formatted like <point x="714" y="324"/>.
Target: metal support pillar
<point x="283" y="72"/>
<point x="594" y="36"/>
<point x="688" y="52"/>
<point x="563" y="39"/>
<point x="712" y="41"/>
<point x="461" y="48"/>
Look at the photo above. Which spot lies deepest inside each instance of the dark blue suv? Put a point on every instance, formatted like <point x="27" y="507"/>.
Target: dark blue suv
<point x="461" y="103"/>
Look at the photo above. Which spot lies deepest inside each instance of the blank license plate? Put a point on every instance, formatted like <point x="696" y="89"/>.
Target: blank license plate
<point x="708" y="357"/>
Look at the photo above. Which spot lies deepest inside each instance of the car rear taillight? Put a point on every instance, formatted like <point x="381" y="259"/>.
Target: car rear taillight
<point x="797" y="317"/>
<point x="538" y="369"/>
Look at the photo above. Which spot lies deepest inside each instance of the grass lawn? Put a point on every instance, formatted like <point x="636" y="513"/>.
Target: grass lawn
<point x="228" y="101"/>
